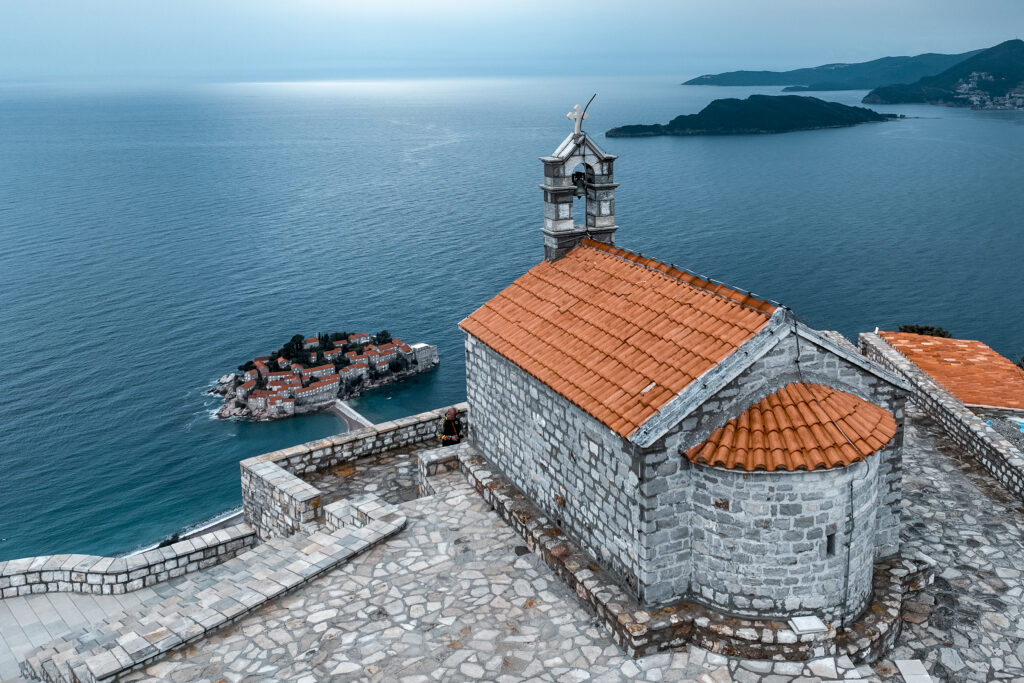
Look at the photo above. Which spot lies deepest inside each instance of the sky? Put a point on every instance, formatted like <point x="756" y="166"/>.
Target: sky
<point x="216" y="40"/>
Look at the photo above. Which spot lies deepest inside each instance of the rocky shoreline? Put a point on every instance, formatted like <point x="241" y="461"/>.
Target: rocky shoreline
<point x="236" y="409"/>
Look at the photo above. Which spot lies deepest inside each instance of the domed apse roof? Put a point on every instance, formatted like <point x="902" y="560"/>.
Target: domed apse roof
<point x="799" y="427"/>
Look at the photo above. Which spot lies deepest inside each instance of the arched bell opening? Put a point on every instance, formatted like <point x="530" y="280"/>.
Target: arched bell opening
<point x="580" y="176"/>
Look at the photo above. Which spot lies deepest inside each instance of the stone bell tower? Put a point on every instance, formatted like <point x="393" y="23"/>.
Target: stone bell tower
<point x="563" y="182"/>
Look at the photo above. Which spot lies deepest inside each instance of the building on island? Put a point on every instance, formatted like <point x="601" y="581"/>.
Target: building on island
<point x="354" y="370"/>
<point x="242" y="392"/>
<point x="423" y="355"/>
<point x="697" y="440"/>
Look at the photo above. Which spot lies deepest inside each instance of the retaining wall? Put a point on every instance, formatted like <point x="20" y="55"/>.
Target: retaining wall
<point x="107" y="575"/>
<point x="277" y="502"/>
<point x="995" y="453"/>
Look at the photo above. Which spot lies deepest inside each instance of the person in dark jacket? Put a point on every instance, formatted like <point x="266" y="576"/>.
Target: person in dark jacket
<point x="449" y="430"/>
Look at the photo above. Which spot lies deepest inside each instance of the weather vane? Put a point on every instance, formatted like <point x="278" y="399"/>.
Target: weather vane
<point x="578" y="114"/>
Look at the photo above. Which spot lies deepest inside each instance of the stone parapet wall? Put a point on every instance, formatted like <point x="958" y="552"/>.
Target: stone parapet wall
<point x="116" y="575"/>
<point x="995" y="453"/>
<point x="277" y="502"/>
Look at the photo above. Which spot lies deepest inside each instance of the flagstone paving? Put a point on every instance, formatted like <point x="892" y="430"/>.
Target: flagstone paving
<point x="969" y="625"/>
<point x="457" y="596"/>
<point x="33" y="620"/>
<point x="393" y="477"/>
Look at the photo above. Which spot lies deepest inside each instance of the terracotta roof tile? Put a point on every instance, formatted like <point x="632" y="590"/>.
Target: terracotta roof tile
<point x="799" y="427"/>
<point x="601" y="323"/>
<point x="970" y="370"/>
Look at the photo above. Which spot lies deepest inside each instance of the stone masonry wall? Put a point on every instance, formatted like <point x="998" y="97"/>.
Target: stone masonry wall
<point x="575" y="469"/>
<point x="995" y="453"/>
<point x="107" y="575"/>
<point x="666" y="482"/>
<point x="769" y="544"/>
<point x="277" y="502"/>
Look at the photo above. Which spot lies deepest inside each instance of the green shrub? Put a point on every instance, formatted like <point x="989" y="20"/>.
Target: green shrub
<point x="929" y="330"/>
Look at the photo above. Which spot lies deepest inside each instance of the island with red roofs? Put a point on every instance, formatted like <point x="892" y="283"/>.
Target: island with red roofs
<point x="308" y="374"/>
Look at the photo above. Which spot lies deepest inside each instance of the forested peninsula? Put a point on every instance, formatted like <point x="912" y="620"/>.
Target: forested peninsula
<point x="755" y="115"/>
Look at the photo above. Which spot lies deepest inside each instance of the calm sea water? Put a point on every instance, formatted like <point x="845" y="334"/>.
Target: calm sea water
<point x="153" y="239"/>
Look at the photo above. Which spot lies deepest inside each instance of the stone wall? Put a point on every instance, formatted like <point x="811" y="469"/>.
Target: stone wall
<point x="633" y="508"/>
<point x="276" y="502"/>
<point x="641" y="631"/>
<point x="577" y="470"/>
<point x="995" y="453"/>
<point x="666" y="477"/>
<point x="778" y="544"/>
<point x="107" y="575"/>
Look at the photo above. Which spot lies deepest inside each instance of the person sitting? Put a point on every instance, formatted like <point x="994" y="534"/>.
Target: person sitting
<point x="449" y="431"/>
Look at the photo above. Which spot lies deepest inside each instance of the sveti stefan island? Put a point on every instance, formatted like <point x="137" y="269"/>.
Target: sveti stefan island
<point x="308" y="374"/>
<point x="729" y="300"/>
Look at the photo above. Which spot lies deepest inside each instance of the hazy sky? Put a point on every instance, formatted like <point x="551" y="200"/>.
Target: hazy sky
<point x="338" y="39"/>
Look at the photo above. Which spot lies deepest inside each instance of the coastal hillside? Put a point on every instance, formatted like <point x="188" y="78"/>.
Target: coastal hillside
<point x="857" y="76"/>
<point x="756" y="114"/>
<point x="993" y="79"/>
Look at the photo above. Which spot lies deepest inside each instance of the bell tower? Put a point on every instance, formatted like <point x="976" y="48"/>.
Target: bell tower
<point x="595" y="182"/>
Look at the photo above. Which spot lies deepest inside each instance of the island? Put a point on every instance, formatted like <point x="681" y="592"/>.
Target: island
<point x="841" y="76"/>
<point x="308" y="374"/>
<point x="757" y="114"/>
<point x="992" y="79"/>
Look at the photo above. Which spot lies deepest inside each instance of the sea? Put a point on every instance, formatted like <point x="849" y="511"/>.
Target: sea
<point x="153" y="237"/>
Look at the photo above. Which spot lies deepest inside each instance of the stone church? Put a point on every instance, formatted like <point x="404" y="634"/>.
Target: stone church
<point x="698" y="441"/>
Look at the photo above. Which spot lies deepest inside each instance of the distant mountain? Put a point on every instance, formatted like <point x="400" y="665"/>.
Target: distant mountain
<point x="756" y="114"/>
<point x="993" y="79"/>
<point x="860" y="76"/>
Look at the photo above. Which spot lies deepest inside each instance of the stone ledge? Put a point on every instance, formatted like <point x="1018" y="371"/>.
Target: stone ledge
<point x="138" y="637"/>
<point x="641" y="631"/>
<point x="278" y="503"/>
<point x="116" y="575"/>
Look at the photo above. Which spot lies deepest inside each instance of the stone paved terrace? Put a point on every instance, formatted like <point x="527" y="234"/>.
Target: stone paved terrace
<point x="457" y="596"/>
<point x="393" y="477"/>
<point x="33" y="620"/>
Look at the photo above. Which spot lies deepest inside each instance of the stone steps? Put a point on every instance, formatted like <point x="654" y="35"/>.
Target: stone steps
<point x="209" y="600"/>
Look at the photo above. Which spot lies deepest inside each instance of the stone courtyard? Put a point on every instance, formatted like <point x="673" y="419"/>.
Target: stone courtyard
<point x="392" y="476"/>
<point x="456" y="595"/>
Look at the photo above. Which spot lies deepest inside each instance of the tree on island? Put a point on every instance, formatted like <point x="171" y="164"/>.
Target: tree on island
<point x="382" y="337"/>
<point x="929" y="330"/>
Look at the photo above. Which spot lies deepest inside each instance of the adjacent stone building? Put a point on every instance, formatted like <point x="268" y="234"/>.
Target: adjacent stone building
<point x="699" y="441"/>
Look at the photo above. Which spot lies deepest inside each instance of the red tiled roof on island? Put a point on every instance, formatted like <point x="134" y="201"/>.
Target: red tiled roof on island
<point x="970" y="370"/>
<point x="615" y="333"/>
<point x="799" y="427"/>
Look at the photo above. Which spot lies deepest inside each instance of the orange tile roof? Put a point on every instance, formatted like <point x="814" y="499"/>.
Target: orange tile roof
<point x="799" y="427"/>
<point x="318" y="368"/>
<point x="617" y="334"/>
<point x="970" y="370"/>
